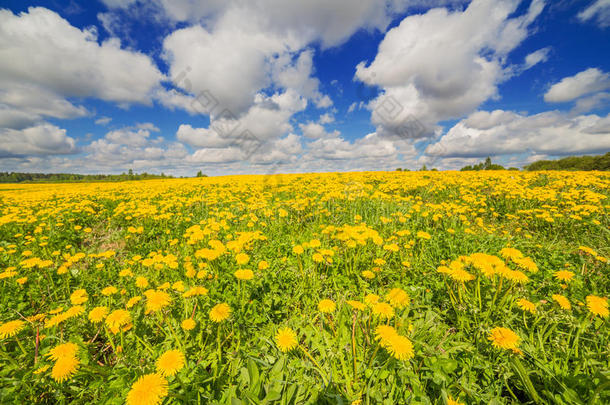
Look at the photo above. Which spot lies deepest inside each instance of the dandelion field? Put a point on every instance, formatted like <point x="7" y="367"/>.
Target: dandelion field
<point x="361" y="288"/>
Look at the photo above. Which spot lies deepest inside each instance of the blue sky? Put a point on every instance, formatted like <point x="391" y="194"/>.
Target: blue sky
<point x="272" y="86"/>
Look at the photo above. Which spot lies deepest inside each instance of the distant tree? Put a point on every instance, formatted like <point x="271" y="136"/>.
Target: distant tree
<point x="600" y="162"/>
<point x="199" y="173"/>
<point x="423" y="168"/>
<point x="486" y="165"/>
<point x="399" y="169"/>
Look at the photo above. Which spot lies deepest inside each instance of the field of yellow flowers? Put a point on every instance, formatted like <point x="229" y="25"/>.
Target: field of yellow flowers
<point x="354" y="288"/>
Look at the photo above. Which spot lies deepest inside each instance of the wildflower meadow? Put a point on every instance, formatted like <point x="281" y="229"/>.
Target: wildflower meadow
<point x="338" y="288"/>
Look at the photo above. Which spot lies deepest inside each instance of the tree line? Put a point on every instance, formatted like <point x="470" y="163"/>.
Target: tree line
<point x="599" y="162"/>
<point x="15" y="177"/>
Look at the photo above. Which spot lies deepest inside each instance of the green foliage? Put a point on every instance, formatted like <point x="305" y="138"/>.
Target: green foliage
<point x="601" y="162"/>
<point x="14" y="177"/>
<point x="486" y="165"/>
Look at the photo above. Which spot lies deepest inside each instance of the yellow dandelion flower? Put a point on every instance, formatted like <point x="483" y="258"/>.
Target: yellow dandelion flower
<point x="244" y="274"/>
<point x="564" y="275"/>
<point x="526" y="305"/>
<point x="451" y="401"/>
<point x="188" y="324"/>
<point x="461" y="275"/>
<point x="220" y="312"/>
<point x="357" y="305"/>
<point x="511" y="253"/>
<point x="597" y="305"/>
<point x="286" y="339"/>
<point x="10" y="328"/>
<point x="118" y="320"/>
<point x="242" y="258"/>
<point x="398" y="298"/>
<point x="156" y="300"/>
<point x="195" y="291"/>
<point x="400" y="347"/>
<point x="141" y="282"/>
<point x="423" y="235"/>
<point x="133" y="301"/>
<point x="368" y="274"/>
<point x="562" y="301"/>
<point x="79" y="297"/>
<point x="383" y="333"/>
<point x="63" y="350"/>
<point x="98" y="314"/>
<point x="263" y="265"/>
<point x="170" y="362"/>
<point x="64" y="368"/>
<point x="326" y="306"/>
<point x="504" y="338"/>
<point x="109" y="291"/>
<point x="371" y="299"/>
<point x="383" y="310"/>
<point x="150" y="389"/>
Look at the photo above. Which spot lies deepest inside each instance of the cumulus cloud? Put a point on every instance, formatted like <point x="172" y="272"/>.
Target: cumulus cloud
<point x="45" y="63"/>
<point x="570" y="88"/>
<point x="40" y="48"/>
<point x="128" y="147"/>
<point x="599" y="10"/>
<point x="441" y="65"/>
<point x="314" y="130"/>
<point x="337" y="148"/>
<point x="326" y="118"/>
<point x="500" y="132"/>
<point x="44" y="139"/>
<point x="202" y="137"/>
<point x="592" y="102"/>
<point x="331" y="23"/>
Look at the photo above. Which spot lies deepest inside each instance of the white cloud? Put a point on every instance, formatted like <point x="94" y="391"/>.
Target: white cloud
<point x="337" y="148"/>
<point x="37" y="101"/>
<point x="42" y="50"/>
<point x="536" y="57"/>
<point x="570" y="88"/>
<point x="278" y="152"/>
<point x="249" y="137"/>
<point x="225" y="66"/>
<point x="592" y="102"/>
<point x="44" y="139"/>
<point x="314" y="130"/>
<point x="217" y="155"/>
<point x="230" y="62"/>
<point x="330" y="22"/>
<point x="326" y="118"/>
<point x="505" y="132"/>
<point x="103" y="120"/>
<point x="598" y="10"/>
<point x="148" y="126"/>
<point x="201" y="137"/>
<point x="441" y="65"/>
<point x="126" y="136"/>
<point x="16" y="118"/>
